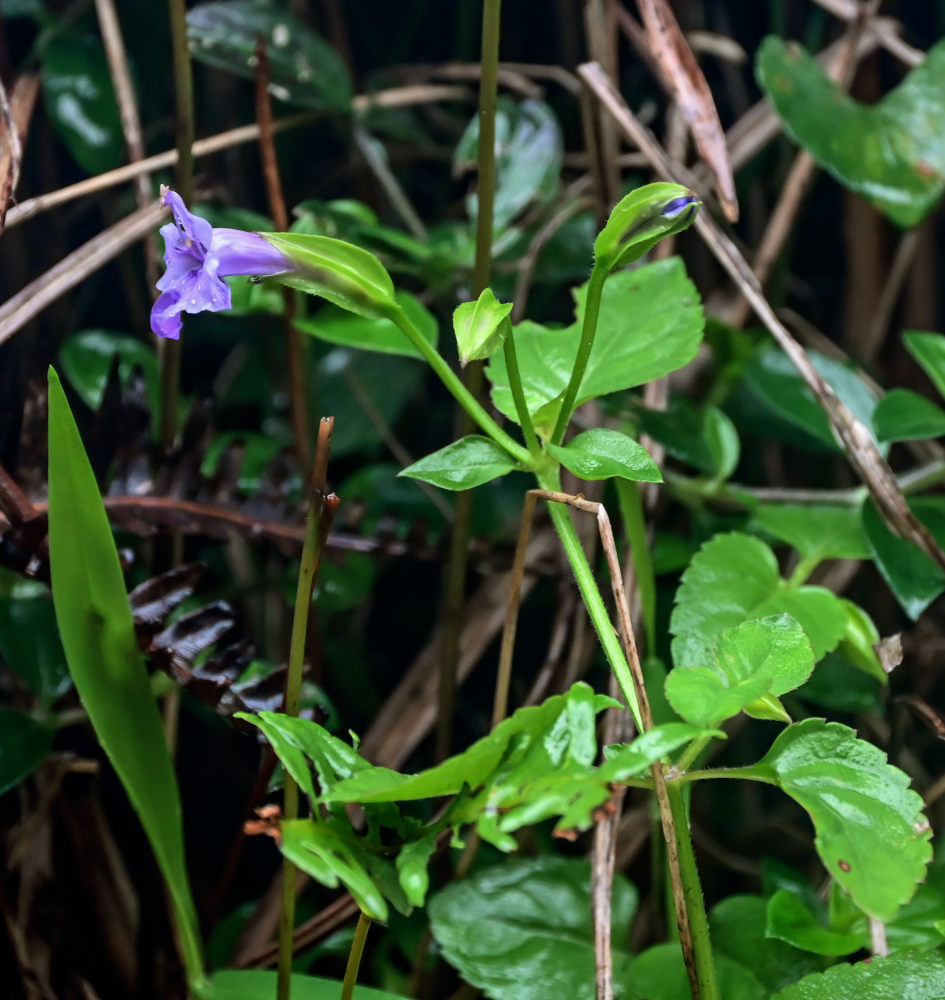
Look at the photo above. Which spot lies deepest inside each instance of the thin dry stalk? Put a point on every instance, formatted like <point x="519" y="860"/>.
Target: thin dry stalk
<point x="602" y="48"/>
<point x="15" y="113"/>
<point x="860" y="448"/>
<point x="500" y="704"/>
<point x="868" y="346"/>
<point x="295" y="356"/>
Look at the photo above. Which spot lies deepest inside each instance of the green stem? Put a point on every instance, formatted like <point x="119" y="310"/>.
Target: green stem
<point x="591" y="596"/>
<point x="691" y="753"/>
<point x="803" y="570"/>
<point x="354" y="956"/>
<point x="460" y="393"/>
<point x="518" y="395"/>
<point x="692" y="891"/>
<point x="595" y="289"/>
<point x="754" y="772"/>
<point x="308" y="566"/>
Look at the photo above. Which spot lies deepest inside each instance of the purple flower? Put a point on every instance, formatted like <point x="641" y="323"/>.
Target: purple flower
<point x="198" y="258"/>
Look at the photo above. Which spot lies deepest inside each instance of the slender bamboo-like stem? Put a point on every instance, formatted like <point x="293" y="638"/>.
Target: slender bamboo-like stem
<point x="595" y="289"/>
<point x="631" y="510"/>
<point x="321" y="512"/>
<point x="169" y="350"/>
<point x="354" y="956"/>
<point x="518" y="394"/>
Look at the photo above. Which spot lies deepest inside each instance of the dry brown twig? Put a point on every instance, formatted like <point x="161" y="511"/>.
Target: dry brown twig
<point x="860" y="448"/>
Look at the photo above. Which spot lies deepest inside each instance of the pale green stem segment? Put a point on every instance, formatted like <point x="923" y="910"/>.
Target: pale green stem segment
<point x="595" y="289"/>
<point x="591" y="596"/>
<point x="460" y="393"/>
<point x="308" y="566"/>
<point x="354" y="956"/>
<point x="692" y="890"/>
<point x="630" y="500"/>
<point x="518" y="394"/>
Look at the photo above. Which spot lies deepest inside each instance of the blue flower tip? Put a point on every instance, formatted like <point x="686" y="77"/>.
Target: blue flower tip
<point x="679" y="205"/>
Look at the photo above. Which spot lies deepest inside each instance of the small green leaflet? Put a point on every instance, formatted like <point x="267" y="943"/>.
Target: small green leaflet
<point x="468" y="462"/>
<point x="601" y="453"/>
<point x="481" y="326"/>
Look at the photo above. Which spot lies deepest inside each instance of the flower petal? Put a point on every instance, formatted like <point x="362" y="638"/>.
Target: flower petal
<point x="165" y="315"/>
<point x="198" y="231"/>
<point x="239" y="252"/>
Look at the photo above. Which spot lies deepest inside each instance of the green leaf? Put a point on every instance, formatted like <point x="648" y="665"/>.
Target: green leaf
<point x="734" y="578"/>
<point x="303" y="67"/>
<point x="522" y="930"/>
<point x="87" y="358"/>
<point x="891" y="152"/>
<point x="904" y="415"/>
<point x="529" y="151"/>
<point x="870" y="831"/>
<point x="663" y="336"/>
<point x="756" y="661"/>
<point x="659" y="973"/>
<point x="600" y="453"/>
<point x="468" y="462"/>
<point x="257" y="984"/>
<point x="412" y="870"/>
<point x="920" y="923"/>
<point x="102" y="652"/>
<point x="481" y="326"/>
<point x="912" y="576"/>
<point x="29" y="638"/>
<point x="80" y="100"/>
<point x="899" y="977"/>
<point x="338" y="326"/>
<point x="738" y="931"/>
<point x="702" y="437"/>
<point x="771" y="375"/>
<point x="859" y="641"/>
<point x="789" y="920"/>
<point x="340" y="272"/>
<point x="331" y="854"/>
<point x="817" y="531"/>
<point x="24" y="743"/>
<point x="641" y="219"/>
<point x="929" y="350"/>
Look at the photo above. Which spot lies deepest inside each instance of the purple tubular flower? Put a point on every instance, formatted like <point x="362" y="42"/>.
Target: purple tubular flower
<point x="198" y="258"/>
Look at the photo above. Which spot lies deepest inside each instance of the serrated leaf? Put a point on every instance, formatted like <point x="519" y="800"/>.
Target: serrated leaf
<point x="339" y="326"/>
<point x="817" y="531"/>
<point x="891" y="152"/>
<point x="303" y="67"/>
<point x="870" y="831"/>
<point x="481" y="326"/>
<point x="734" y="578"/>
<point x="253" y="984"/>
<point x="929" y="350"/>
<point x="912" y="576"/>
<point x="650" y="325"/>
<point x="101" y="649"/>
<point x="755" y="662"/>
<point x="899" y="977"/>
<point x="522" y="930"/>
<point x="601" y="453"/>
<point x="904" y="415"/>
<point x="788" y="919"/>
<point x="468" y="462"/>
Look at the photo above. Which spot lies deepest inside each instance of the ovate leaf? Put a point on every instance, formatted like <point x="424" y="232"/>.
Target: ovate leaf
<point x="601" y="453"/>
<point x="899" y="977"/>
<point x="303" y="67"/>
<point x="870" y="831"/>
<point x="817" y="531"/>
<point x="650" y="324"/>
<point x="790" y="920"/>
<point x="102" y="652"/>
<point x="468" y="462"/>
<point x="660" y="974"/>
<point x="253" y="984"/>
<point x="891" y="152"/>
<point x="522" y="930"/>
<point x="904" y="415"/>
